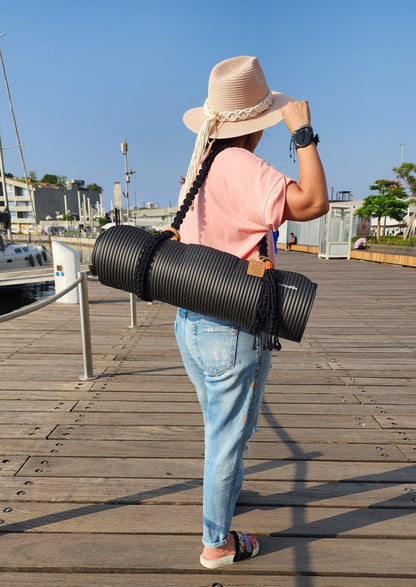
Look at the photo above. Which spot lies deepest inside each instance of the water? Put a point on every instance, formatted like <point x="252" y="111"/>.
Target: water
<point x="15" y="297"/>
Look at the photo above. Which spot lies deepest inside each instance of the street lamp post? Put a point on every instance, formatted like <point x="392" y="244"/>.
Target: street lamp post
<point x="127" y="173"/>
<point x="402" y="145"/>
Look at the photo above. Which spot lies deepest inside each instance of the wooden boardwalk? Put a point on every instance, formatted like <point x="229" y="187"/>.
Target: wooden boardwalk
<point x="100" y="481"/>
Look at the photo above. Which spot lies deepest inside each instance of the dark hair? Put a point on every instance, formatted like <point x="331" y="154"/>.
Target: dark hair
<point x="232" y="141"/>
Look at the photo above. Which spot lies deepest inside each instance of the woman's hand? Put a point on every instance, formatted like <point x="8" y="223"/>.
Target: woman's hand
<point x="295" y="114"/>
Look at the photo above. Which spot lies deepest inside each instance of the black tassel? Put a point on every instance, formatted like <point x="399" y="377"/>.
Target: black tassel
<point x="266" y="319"/>
<point x="271" y="342"/>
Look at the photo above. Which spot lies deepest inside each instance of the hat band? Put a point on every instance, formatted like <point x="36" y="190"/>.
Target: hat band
<point x="243" y="114"/>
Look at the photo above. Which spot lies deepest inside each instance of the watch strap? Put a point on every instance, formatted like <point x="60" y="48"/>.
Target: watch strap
<point x="293" y="147"/>
<point x="314" y="138"/>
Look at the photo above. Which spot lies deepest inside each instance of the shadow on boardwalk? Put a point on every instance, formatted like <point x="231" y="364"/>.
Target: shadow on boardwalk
<point x="107" y="488"/>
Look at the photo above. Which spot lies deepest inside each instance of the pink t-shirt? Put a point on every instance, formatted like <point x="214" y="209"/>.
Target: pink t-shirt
<point x="241" y="200"/>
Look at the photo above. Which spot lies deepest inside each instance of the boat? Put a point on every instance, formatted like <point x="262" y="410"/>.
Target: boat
<point x="20" y="256"/>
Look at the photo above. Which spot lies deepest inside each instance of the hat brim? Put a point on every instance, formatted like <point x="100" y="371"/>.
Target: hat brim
<point x="195" y="117"/>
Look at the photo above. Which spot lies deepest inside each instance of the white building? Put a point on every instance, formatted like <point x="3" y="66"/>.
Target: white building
<point x="47" y="201"/>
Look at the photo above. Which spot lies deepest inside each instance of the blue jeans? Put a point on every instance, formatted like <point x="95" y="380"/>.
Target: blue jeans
<point x="229" y="378"/>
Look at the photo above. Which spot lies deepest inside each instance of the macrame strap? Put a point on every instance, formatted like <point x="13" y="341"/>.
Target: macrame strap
<point x="149" y="249"/>
<point x="266" y="316"/>
<point x="199" y="180"/>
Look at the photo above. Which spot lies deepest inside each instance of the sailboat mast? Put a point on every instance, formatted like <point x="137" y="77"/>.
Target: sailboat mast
<point x="18" y="140"/>
<point x="3" y="183"/>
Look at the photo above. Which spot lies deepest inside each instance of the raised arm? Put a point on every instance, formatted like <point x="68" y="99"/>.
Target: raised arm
<point x="309" y="198"/>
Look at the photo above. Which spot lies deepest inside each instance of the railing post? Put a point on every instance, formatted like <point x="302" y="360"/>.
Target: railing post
<point x="85" y="328"/>
<point x="133" y="312"/>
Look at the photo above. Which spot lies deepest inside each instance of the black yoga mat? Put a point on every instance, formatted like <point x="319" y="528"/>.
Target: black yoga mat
<point x="200" y="279"/>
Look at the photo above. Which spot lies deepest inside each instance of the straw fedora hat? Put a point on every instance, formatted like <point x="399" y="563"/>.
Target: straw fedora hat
<point x="239" y="101"/>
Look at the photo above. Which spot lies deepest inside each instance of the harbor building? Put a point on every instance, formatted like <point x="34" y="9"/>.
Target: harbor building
<point x="48" y="201"/>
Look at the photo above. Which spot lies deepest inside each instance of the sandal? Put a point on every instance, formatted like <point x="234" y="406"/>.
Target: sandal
<point x="244" y="550"/>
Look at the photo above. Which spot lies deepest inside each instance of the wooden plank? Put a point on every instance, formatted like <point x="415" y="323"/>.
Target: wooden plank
<point x="157" y="519"/>
<point x="266" y="434"/>
<point x="357" y="360"/>
<point x="34" y="430"/>
<point x="282" y="555"/>
<point x="191" y="419"/>
<point x="408" y="375"/>
<point x="381" y="381"/>
<point x="112" y="440"/>
<point x="189" y="491"/>
<point x="72" y="395"/>
<point x="36" y="406"/>
<point x="148" y="405"/>
<point x="10" y="464"/>
<point x="16" y="383"/>
<point x="259" y="450"/>
<point x="188" y="396"/>
<point x="409" y="452"/>
<point x="192" y="469"/>
<point x="201" y="579"/>
<point x="60" y="356"/>
<point x="396" y="421"/>
<point x="400" y="399"/>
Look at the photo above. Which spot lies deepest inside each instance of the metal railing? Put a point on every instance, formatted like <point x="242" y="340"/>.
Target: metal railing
<point x="81" y="283"/>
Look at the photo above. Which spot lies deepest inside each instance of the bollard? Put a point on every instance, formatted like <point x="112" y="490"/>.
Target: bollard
<point x="133" y="311"/>
<point x="66" y="266"/>
<point x="85" y="328"/>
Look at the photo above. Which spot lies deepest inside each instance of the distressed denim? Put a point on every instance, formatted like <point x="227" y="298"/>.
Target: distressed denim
<point x="229" y="378"/>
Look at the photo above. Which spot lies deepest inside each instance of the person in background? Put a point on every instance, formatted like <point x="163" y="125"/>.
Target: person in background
<point x="242" y="200"/>
<point x="292" y="241"/>
<point x="361" y="244"/>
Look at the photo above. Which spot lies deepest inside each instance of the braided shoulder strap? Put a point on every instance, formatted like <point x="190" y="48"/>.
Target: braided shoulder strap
<point x="147" y="252"/>
<point x="199" y="180"/>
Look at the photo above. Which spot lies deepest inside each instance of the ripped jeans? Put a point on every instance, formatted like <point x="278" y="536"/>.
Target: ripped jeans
<point x="229" y="378"/>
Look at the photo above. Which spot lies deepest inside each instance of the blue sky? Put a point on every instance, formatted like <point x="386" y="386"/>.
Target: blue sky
<point x="84" y="75"/>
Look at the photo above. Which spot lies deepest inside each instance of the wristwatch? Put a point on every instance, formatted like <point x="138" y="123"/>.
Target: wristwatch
<point x="303" y="136"/>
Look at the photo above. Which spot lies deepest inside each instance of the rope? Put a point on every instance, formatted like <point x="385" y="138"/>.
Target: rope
<point x="242" y="114"/>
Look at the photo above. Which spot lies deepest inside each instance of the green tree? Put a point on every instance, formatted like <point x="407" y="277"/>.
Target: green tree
<point x="50" y="178"/>
<point x="93" y="187"/>
<point x="407" y="173"/>
<point x="388" y="201"/>
<point x="101" y="221"/>
<point x="68" y="217"/>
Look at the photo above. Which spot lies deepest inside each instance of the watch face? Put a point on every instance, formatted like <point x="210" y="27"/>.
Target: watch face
<point x="303" y="136"/>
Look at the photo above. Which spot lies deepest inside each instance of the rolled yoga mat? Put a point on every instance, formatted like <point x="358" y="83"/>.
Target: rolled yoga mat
<point x="200" y="279"/>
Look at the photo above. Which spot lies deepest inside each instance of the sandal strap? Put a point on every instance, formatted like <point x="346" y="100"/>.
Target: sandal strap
<point x="244" y="547"/>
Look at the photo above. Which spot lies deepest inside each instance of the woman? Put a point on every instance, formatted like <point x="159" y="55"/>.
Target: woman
<point x="242" y="200"/>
